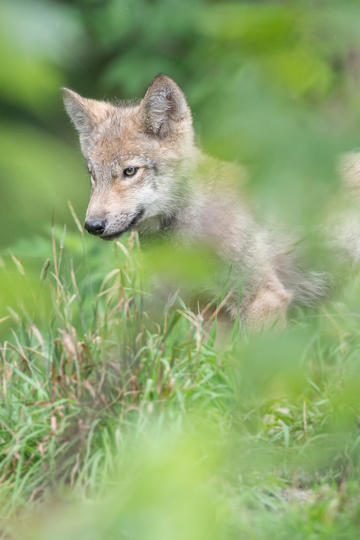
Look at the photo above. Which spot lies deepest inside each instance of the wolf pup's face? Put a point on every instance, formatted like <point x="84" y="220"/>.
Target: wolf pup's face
<point x="135" y="155"/>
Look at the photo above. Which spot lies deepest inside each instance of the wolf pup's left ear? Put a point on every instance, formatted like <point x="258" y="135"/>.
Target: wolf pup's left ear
<point x="163" y="106"/>
<point x="85" y="114"/>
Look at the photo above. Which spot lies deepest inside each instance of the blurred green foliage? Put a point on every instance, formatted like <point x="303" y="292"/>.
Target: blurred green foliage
<point x="273" y="85"/>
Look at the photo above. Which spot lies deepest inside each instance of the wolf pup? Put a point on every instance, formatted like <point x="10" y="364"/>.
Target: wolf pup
<point x="147" y="174"/>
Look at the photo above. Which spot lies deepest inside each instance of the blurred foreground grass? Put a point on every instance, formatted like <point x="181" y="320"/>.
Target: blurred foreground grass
<point x="118" y="424"/>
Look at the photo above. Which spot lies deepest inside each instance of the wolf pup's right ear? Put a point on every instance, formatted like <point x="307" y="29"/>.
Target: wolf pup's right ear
<point x="85" y="114"/>
<point x="163" y="107"/>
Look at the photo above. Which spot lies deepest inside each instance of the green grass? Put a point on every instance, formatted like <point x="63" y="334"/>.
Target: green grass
<point x="123" y="417"/>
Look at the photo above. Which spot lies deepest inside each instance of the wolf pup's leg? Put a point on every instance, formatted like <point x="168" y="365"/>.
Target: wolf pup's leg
<point x="267" y="306"/>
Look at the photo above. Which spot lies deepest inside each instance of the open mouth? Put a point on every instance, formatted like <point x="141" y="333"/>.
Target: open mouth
<point x="129" y="226"/>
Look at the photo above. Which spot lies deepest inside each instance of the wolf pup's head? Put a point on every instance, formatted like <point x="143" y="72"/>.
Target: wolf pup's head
<point x="136" y="153"/>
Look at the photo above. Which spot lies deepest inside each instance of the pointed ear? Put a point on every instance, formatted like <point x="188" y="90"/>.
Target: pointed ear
<point x="85" y="114"/>
<point x="163" y="106"/>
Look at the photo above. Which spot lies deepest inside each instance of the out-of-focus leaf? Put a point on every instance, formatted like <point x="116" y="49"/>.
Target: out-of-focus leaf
<point x="259" y="27"/>
<point x="42" y="30"/>
<point x="26" y="80"/>
<point x="38" y="175"/>
<point x="300" y="71"/>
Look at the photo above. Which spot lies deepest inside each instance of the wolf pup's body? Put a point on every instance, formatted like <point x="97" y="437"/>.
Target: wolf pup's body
<point x="147" y="173"/>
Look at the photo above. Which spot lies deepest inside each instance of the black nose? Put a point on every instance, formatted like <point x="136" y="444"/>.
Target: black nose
<point x="95" y="226"/>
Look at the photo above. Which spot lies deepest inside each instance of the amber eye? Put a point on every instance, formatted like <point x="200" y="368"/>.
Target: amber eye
<point x="130" y="171"/>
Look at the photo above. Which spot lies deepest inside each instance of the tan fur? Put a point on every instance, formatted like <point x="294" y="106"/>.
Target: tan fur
<point x="196" y="198"/>
<point x="268" y="306"/>
<point x="342" y="229"/>
<point x="349" y="168"/>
